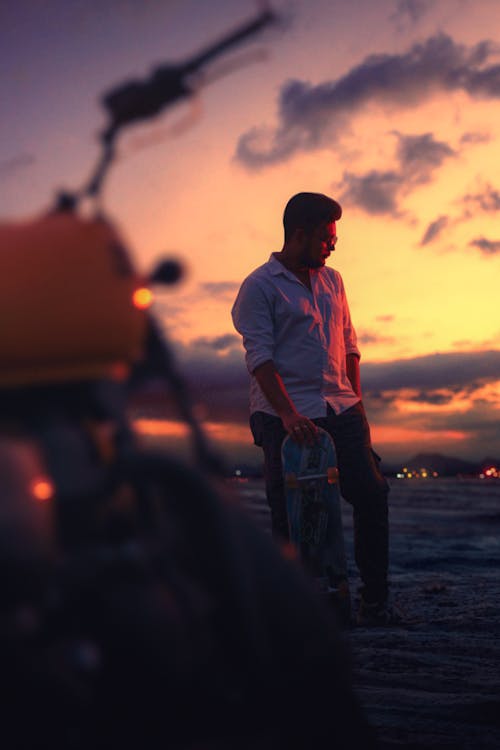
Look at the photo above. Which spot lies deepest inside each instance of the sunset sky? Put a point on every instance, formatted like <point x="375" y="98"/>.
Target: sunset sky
<point x="392" y="107"/>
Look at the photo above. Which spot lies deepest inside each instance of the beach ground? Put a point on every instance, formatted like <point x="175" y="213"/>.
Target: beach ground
<point x="435" y="683"/>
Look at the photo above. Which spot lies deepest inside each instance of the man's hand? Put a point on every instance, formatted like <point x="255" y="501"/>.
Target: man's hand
<point x="352" y="367"/>
<point x="301" y="429"/>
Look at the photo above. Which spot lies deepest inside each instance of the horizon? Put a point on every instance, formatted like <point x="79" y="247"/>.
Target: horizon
<point x="174" y="436"/>
<point x="388" y="107"/>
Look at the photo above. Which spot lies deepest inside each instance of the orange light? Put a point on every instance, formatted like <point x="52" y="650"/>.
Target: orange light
<point x="142" y="298"/>
<point x="42" y="489"/>
<point x="289" y="551"/>
<point x="119" y="371"/>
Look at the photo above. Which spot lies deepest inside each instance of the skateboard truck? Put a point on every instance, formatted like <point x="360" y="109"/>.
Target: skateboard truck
<point x="292" y="480"/>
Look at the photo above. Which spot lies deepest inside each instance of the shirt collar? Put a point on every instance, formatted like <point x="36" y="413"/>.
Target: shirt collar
<point x="275" y="267"/>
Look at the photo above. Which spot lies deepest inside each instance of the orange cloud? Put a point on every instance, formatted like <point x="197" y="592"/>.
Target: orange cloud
<point x="166" y="428"/>
<point x="402" y="435"/>
<point x="237" y="433"/>
<point x="160" y="428"/>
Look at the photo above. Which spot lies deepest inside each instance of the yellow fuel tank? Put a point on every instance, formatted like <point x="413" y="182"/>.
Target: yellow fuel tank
<point x="67" y="308"/>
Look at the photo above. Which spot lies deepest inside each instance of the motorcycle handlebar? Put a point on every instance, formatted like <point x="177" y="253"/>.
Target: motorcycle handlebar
<point x="138" y="100"/>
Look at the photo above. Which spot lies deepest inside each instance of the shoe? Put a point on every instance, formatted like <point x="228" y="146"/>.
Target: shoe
<point x="379" y="614"/>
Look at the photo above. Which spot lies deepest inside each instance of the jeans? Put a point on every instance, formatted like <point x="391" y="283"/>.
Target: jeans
<point x="361" y="484"/>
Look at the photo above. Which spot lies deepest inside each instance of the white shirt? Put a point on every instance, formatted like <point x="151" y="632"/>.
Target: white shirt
<point x="307" y="334"/>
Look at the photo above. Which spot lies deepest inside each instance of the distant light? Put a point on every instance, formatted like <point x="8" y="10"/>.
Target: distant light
<point x="142" y="298"/>
<point x="238" y="472"/>
<point x="400" y="476"/>
<point x="42" y="489"/>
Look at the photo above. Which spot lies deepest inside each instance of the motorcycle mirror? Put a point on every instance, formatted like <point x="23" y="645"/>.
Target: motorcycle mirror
<point x="168" y="271"/>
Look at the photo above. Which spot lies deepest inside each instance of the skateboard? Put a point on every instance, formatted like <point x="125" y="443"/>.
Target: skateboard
<point x="314" y="519"/>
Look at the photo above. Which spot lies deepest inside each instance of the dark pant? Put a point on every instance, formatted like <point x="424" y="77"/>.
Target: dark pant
<point x="361" y="484"/>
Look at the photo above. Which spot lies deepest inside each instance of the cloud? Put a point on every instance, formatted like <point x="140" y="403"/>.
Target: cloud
<point x="218" y="343"/>
<point x="490" y="343"/>
<point x="470" y="414"/>
<point x="487" y="199"/>
<point x="178" y="309"/>
<point x="11" y="166"/>
<point x="219" y="379"/>
<point x="436" y="398"/>
<point x="487" y="247"/>
<point x="410" y="10"/>
<point x="475" y="137"/>
<point x="434" y="371"/>
<point x="220" y="288"/>
<point x="315" y="116"/>
<point x="442" y="370"/>
<point x="420" y="155"/>
<point x="444" y="391"/>
<point x="434" y="229"/>
<point x="374" y="337"/>
<point x="217" y="375"/>
<point x="375" y="192"/>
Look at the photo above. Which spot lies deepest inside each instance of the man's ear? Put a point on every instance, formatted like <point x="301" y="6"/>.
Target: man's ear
<point x="299" y="235"/>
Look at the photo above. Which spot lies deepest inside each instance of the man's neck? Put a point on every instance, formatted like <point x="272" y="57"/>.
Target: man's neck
<point x="295" y="267"/>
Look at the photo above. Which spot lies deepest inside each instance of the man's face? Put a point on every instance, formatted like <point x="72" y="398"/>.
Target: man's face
<point x="318" y="245"/>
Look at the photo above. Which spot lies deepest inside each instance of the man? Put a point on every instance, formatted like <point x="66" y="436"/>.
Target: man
<point x="303" y="358"/>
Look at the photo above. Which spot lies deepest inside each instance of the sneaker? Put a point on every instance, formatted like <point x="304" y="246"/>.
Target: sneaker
<point x="379" y="614"/>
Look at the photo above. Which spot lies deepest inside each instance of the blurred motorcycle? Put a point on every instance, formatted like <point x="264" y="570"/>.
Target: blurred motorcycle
<point x="137" y="606"/>
<point x="78" y="334"/>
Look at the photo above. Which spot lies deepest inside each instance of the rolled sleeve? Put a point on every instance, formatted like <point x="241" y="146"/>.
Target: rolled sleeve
<point x="252" y="318"/>
<point x="350" y="338"/>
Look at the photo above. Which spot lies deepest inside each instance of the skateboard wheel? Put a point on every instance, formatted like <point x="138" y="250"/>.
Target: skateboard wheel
<point x="333" y="474"/>
<point x="291" y="480"/>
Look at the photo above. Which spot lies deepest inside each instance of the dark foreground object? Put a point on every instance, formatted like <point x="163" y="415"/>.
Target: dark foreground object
<point x="183" y="629"/>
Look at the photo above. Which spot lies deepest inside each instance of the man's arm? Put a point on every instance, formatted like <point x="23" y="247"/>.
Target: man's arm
<point x="253" y="318"/>
<point x="301" y="428"/>
<point x="352" y="367"/>
<point x="350" y="342"/>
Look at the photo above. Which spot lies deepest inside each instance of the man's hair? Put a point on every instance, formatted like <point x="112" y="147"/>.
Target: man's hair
<point x="308" y="210"/>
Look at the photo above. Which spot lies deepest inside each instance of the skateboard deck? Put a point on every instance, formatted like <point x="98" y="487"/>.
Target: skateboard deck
<point x="314" y="517"/>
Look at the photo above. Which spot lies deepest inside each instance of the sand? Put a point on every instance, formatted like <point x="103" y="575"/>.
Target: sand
<point x="436" y="683"/>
